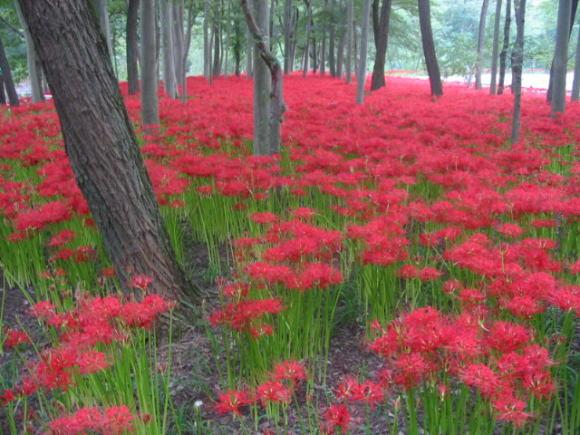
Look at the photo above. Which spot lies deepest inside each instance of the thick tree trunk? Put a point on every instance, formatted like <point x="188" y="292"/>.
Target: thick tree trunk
<point x="381" y="37"/>
<point x="133" y="47"/>
<point x="364" y="41"/>
<point x="480" y="43"/>
<point x="149" y="65"/>
<point x="7" y="77"/>
<point x="505" y="47"/>
<point x="349" y="39"/>
<point x="429" y="48"/>
<point x="558" y="76"/>
<point x="168" y="55"/>
<point x="495" y="49"/>
<point x="576" y="82"/>
<point x="517" y="64"/>
<point x="100" y="142"/>
<point x="31" y="61"/>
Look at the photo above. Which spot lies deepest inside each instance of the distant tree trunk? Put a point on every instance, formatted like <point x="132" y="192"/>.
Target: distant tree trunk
<point x="364" y="41"/>
<point x="349" y="39"/>
<point x="2" y="94"/>
<point x="177" y="16"/>
<point x="480" y="43"/>
<point x="32" y="62"/>
<point x="495" y="50"/>
<point x="340" y="53"/>
<point x="216" y="69"/>
<point x="323" y="47"/>
<point x="102" y="10"/>
<point x="308" y="31"/>
<point x="133" y="47"/>
<point x="576" y="82"/>
<point x="206" y="40"/>
<point x="332" y="40"/>
<point x="561" y="57"/>
<point x="571" y="27"/>
<point x="168" y="55"/>
<point x="191" y="15"/>
<point x="287" y="34"/>
<point x="517" y="64"/>
<point x="381" y="37"/>
<point x="7" y="78"/>
<point x="249" y="48"/>
<point x="149" y="65"/>
<point x="505" y="48"/>
<point x="429" y="48"/>
<point x="100" y="143"/>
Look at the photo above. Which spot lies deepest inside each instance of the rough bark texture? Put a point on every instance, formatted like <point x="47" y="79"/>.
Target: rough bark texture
<point x="364" y="41"/>
<point x="480" y="43"/>
<point x="133" y="46"/>
<point x="7" y="77"/>
<point x="517" y="64"/>
<point x="149" y="82"/>
<point x="505" y="47"/>
<point x="381" y="18"/>
<point x="495" y="49"/>
<point x="429" y="48"/>
<point x="168" y="46"/>
<point x="349" y="39"/>
<point x="558" y="76"/>
<point x="576" y="82"/>
<point x="100" y="142"/>
<point x="31" y="61"/>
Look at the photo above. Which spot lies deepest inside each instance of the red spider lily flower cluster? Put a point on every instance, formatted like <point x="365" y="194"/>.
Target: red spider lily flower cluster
<point x="283" y="381"/>
<point x="14" y="338"/>
<point x="95" y="321"/>
<point x="113" y="420"/>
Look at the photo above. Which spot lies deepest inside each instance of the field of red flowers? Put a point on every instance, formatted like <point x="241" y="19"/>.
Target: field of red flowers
<point x="413" y="221"/>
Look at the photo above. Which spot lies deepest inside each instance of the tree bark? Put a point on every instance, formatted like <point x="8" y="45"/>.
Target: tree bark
<point x="349" y="39"/>
<point x="495" y="50"/>
<point x="576" y="82"/>
<point x="381" y="37"/>
<point x="287" y="34"/>
<point x="2" y="94"/>
<point x="308" y="31"/>
<point x="429" y="48"/>
<point x="332" y="40"/>
<point x="7" y="78"/>
<point x="31" y="61"/>
<point x="133" y="47"/>
<point x="149" y="65"/>
<point x="340" y="54"/>
<point x="168" y="46"/>
<point x="216" y="68"/>
<point x="100" y="142"/>
<point x="364" y="41"/>
<point x="480" y="43"/>
<point x="558" y="76"/>
<point x="517" y="64"/>
<point x="206" y="40"/>
<point x="102" y="10"/>
<point x="505" y="48"/>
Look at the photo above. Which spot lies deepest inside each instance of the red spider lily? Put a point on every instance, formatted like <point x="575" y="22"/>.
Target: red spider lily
<point x="336" y="416"/>
<point x="141" y="282"/>
<point x="290" y="370"/>
<point x="273" y="392"/>
<point x="14" y="338"/>
<point x="232" y="401"/>
<point x="112" y="420"/>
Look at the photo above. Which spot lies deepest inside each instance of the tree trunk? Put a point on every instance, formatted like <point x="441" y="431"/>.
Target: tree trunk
<point x="517" y="63"/>
<point x="149" y="77"/>
<point x="505" y="48"/>
<point x="340" y="54"/>
<point x="381" y="37"/>
<point x="191" y="15"/>
<point x="495" y="50"/>
<point x="308" y="30"/>
<point x="206" y="40"/>
<point x="216" y="69"/>
<point x="100" y="142"/>
<point x="561" y="58"/>
<point x="178" y="13"/>
<point x="102" y="10"/>
<point x="168" y="55"/>
<point x="7" y="77"/>
<point x="31" y="61"/>
<point x="480" y="43"/>
<point x="364" y="41"/>
<point x="133" y="47"/>
<point x="2" y="94"/>
<point x="349" y="39"/>
<point x="576" y="82"/>
<point x="429" y="48"/>
<point x="332" y="41"/>
<point x="287" y="34"/>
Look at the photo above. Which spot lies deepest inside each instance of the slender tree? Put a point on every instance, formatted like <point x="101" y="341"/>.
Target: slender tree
<point x="287" y="25"/>
<point x="349" y="39"/>
<point x="559" y="66"/>
<point x="364" y="40"/>
<point x="505" y="47"/>
<point x="169" y="77"/>
<point x="2" y="94"/>
<point x="32" y="61"/>
<point x="307" y="47"/>
<point x="206" y="40"/>
<point x="495" y="49"/>
<point x="102" y="10"/>
<point x="381" y="36"/>
<point x="332" y="39"/>
<point x="480" y="43"/>
<point x="149" y="65"/>
<point x="429" y="48"/>
<point x="517" y="64"/>
<point x="7" y="77"/>
<point x="100" y="142"/>
<point x="132" y="41"/>
<point x="576" y="82"/>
